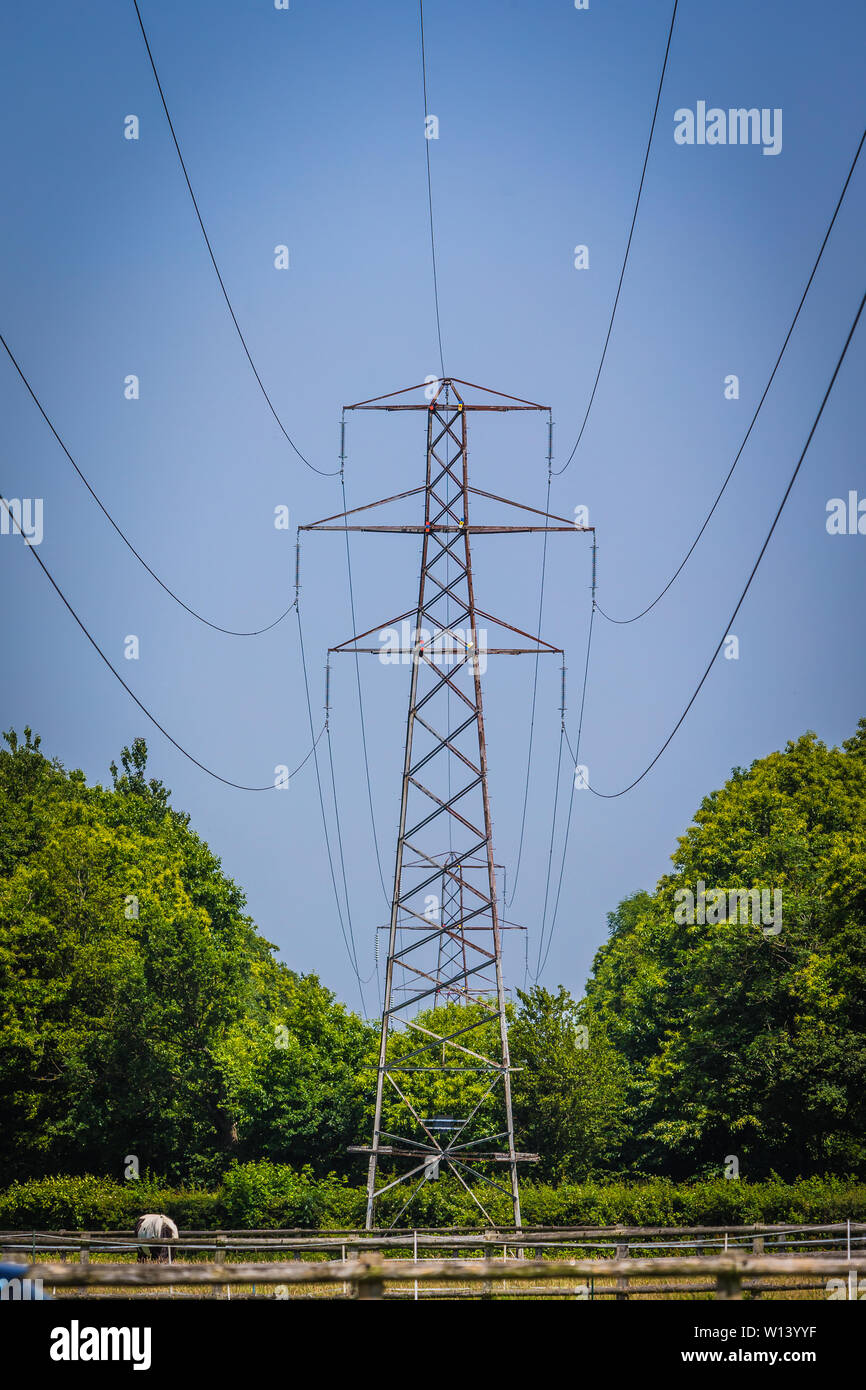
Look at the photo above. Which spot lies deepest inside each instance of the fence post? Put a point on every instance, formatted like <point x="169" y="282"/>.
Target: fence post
<point x="367" y="1285"/>
<point x="622" y="1280"/>
<point x="220" y="1259"/>
<point x="487" y="1253"/>
<point x="728" y="1285"/>
<point x="84" y="1248"/>
<point x="757" y="1249"/>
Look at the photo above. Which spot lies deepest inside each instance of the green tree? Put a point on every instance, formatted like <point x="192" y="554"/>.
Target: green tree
<point x="569" y="1087"/>
<point x="740" y="1040"/>
<point x="460" y="1092"/>
<point x="297" y="1072"/>
<point x="136" y="991"/>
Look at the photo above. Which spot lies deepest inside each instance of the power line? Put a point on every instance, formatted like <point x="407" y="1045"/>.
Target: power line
<point x="574" y="752"/>
<point x="358" y="672"/>
<point x="689" y="552"/>
<point x="239" y="786"/>
<point x="510" y="900"/>
<point x="230" y="632"/>
<point x="430" y="194"/>
<point x="351" y="949"/>
<point x="342" y="856"/>
<point x="550" y="849"/>
<point x="561" y="470"/>
<point x="324" y="472"/>
<point x="609" y="796"/>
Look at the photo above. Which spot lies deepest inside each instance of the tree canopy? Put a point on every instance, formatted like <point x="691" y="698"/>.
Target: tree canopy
<point x="141" y="1007"/>
<point x="144" y="1015"/>
<point x="740" y="1039"/>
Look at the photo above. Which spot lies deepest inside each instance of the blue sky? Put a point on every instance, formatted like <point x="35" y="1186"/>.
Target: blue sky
<point x="306" y="128"/>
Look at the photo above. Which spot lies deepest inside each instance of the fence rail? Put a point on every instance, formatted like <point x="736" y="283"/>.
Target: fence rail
<point x="543" y="1262"/>
<point x="615" y="1238"/>
<point x="368" y="1276"/>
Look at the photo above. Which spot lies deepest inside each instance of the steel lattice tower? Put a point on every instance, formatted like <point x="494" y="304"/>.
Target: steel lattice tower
<point x="444" y="936"/>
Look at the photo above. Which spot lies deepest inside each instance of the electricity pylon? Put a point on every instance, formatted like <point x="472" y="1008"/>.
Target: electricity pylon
<point x="444" y="943"/>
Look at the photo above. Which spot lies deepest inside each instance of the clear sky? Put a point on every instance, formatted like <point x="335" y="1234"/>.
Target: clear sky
<point x="305" y="127"/>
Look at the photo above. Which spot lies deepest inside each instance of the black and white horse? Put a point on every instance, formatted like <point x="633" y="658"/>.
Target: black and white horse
<point x="157" y="1227"/>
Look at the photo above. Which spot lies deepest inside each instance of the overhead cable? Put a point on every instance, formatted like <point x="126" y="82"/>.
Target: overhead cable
<point x="230" y="632"/>
<point x="239" y="786"/>
<point x="561" y="470"/>
<point x="754" y="418"/>
<point x="430" y="194"/>
<point x="612" y="795"/>
<point x="324" y="472"/>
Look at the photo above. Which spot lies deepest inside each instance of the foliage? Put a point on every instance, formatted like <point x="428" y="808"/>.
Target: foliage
<point x="267" y="1195"/>
<point x="296" y="1083"/>
<point x="87" y="1203"/>
<point x="738" y="1041"/>
<point x="435" y="1093"/>
<point x="143" y="1015"/>
<point x="140" y="1006"/>
<point x="569" y="1089"/>
<point x="567" y="1086"/>
<point x="272" y="1196"/>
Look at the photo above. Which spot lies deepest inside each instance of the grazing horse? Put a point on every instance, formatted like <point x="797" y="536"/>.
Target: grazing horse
<point x="157" y="1226"/>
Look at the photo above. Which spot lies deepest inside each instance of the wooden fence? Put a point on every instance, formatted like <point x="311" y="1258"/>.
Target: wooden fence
<point x="618" y="1239"/>
<point x="367" y="1277"/>
<point x="546" y="1262"/>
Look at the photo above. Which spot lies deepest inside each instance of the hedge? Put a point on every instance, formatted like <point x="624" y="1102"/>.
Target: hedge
<point x="267" y="1195"/>
<point x="100" y="1204"/>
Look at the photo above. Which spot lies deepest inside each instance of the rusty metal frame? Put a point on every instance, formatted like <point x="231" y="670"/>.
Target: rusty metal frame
<point x="445" y="960"/>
